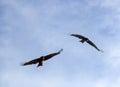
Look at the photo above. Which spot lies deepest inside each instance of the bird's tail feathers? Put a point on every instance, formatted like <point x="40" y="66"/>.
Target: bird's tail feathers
<point x="40" y="64"/>
<point x="82" y="41"/>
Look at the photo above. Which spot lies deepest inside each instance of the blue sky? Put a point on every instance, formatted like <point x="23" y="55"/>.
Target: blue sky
<point x="32" y="28"/>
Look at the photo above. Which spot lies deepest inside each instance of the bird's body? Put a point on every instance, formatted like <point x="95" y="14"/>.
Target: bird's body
<point x="85" y="39"/>
<point x="41" y="59"/>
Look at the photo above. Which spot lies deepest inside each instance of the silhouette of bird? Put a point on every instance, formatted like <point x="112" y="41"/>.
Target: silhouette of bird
<point x="42" y="58"/>
<point x="85" y="39"/>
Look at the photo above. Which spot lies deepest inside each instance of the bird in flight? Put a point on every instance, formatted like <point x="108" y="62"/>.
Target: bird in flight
<point x="85" y="39"/>
<point x="41" y="59"/>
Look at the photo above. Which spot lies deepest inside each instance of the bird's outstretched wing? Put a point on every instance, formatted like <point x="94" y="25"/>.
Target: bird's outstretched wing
<point x="92" y="44"/>
<point x="41" y="59"/>
<point x="52" y="55"/>
<point x="31" y="62"/>
<point x="78" y="36"/>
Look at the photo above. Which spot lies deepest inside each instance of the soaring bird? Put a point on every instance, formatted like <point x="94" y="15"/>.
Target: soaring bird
<point x="42" y="58"/>
<point x="85" y="39"/>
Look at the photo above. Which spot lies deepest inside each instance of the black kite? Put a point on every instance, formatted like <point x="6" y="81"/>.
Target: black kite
<point x="84" y="39"/>
<point x="42" y="58"/>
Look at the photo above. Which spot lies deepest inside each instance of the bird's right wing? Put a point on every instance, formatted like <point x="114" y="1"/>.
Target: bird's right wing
<point x="78" y="36"/>
<point x="92" y="44"/>
<point x="52" y="55"/>
<point x="31" y="62"/>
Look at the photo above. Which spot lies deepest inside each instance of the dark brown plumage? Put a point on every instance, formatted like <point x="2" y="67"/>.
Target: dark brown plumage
<point x="84" y="39"/>
<point x="42" y="58"/>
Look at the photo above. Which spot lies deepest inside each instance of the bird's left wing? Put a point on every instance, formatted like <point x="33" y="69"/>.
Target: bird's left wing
<point x="78" y="36"/>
